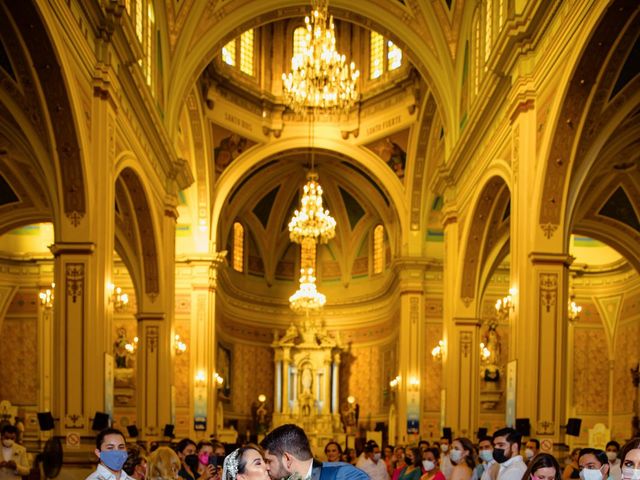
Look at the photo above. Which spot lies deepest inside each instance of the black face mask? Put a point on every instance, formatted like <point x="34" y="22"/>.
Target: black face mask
<point x="192" y="462"/>
<point x="499" y="456"/>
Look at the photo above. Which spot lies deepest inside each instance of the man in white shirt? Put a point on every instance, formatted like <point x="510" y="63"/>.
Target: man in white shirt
<point x="506" y="451"/>
<point x="612" y="449"/>
<point x="14" y="462"/>
<point x="371" y="462"/>
<point x="111" y="449"/>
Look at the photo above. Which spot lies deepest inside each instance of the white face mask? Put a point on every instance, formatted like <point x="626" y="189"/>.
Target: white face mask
<point x="528" y="453"/>
<point x="612" y="456"/>
<point x="428" y="465"/>
<point x="456" y="456"/>
<point x="629" y="473"/>
<point x="588" y="474"/>
<point x="377" y="456"/>
<point x="444" y="448"/>
<point x="7" y="443"/>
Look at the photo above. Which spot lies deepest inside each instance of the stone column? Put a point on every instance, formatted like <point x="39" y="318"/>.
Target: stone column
<point x="411" y="348"/>
<point x="539" y="274"/>
<point x="154" y="360"/>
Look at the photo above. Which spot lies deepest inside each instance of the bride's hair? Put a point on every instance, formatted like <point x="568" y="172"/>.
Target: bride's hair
<point x="235" y="463"/>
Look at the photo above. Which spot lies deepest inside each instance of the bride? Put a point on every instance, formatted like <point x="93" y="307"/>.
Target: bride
<point x="245" y="463"/>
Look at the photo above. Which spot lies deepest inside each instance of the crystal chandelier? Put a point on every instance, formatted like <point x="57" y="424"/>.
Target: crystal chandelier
<point x="307" y="298"/>
<point x="320" y="77"/>
<point x="312" y="220"/>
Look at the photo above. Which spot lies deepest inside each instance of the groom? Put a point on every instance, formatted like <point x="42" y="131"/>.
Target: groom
<point x="287" y="452"/>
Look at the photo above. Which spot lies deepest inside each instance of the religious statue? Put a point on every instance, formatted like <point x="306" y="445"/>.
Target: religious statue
<point x="120" y="352"/>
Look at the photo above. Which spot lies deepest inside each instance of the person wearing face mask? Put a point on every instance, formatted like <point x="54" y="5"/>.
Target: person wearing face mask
<point x="543" y="466"/>
<point x="506" y="451"/>
<point x="371" y="462"/>
<point x="612" y="450"/>
<point x="111" y="449"/>
<point x="186" y="450"/>
<point x="206" y="468"/>
<point x="531" y="449"/>
<point x="630" y="460"/>
<point x="594" y="464"/>
<point x="462" y="459"/>
<point x="445" y="462"/>
<point x="413" y="470"/>
<point x="431" y="465"/>
<point x="14" y="462"/>
<point x="485" y="453"/>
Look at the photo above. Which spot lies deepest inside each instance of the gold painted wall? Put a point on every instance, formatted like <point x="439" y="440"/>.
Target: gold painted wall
<point x="19" y="369"/>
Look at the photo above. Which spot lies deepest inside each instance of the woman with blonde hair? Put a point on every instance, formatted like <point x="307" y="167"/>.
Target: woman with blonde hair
<point x="163" y="464"/>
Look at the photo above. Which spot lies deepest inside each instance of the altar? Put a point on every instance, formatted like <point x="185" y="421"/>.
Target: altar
<point x="307" y="364"/>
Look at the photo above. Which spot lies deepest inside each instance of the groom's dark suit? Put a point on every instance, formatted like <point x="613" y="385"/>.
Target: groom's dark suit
<point x="336" y="471"/>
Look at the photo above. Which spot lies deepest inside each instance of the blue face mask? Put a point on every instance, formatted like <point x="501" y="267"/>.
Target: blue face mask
<point x="114" y="459"/>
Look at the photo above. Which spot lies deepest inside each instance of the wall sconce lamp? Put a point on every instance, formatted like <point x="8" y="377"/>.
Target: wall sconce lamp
<point x="505" y="305"/>
<point x="200" y="379"/>
<point x="46" y="296"/>
<point x="219" y="380"/>
<point x="573" y="310"/>
<point x="438" y="350"/>
<point x="262" y="398"/>
<point x="414" y="383"/>
<point x="395" y="383"/>
<point x="118" y="297"/>
<point x="179" y="345"/>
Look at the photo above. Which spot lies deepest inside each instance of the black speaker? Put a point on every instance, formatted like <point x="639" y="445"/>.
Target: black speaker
<point x="482" y="432"/>
<point x="45" y="421"/>
<point x="523" y="427"/>
<point x="100" y="421"/>
<point x="168" y="430"/>
<point x="446" y="433"/>
<point x="132" y="430"/>
<point x="573" y="426"/>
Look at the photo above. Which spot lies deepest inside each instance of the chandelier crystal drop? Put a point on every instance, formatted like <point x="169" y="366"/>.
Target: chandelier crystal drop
<point x="312" y="220"/>
<point x="307" y="298"/>
<point x="320" y="77"/>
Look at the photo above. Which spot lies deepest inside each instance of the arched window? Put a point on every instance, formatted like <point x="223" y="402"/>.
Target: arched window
<point x="476" y="54"/>
<point x="299" y="36"/>
<point x="139" y="19"/>
<point x="246" y="52"/>
<point x="384" y="56"/>
<point x="238" y="247"/>
<point x="239" y="52"/>
<point x="488" y="28"/>
<point x="151" y="26"/>
<point x="378" y="249"/>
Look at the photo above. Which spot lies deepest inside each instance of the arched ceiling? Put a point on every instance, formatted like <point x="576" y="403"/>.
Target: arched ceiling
<point x="428" y="33"/>
<point x="264" y="201"/>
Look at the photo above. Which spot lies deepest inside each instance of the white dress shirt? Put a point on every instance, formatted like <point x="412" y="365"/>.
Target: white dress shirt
<point x="103" y="473"/>
<point x="512" y="469"/>
<point x="375" y="470"/>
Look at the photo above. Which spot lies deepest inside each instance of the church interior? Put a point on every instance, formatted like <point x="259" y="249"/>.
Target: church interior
<point x="482" y="172"/>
